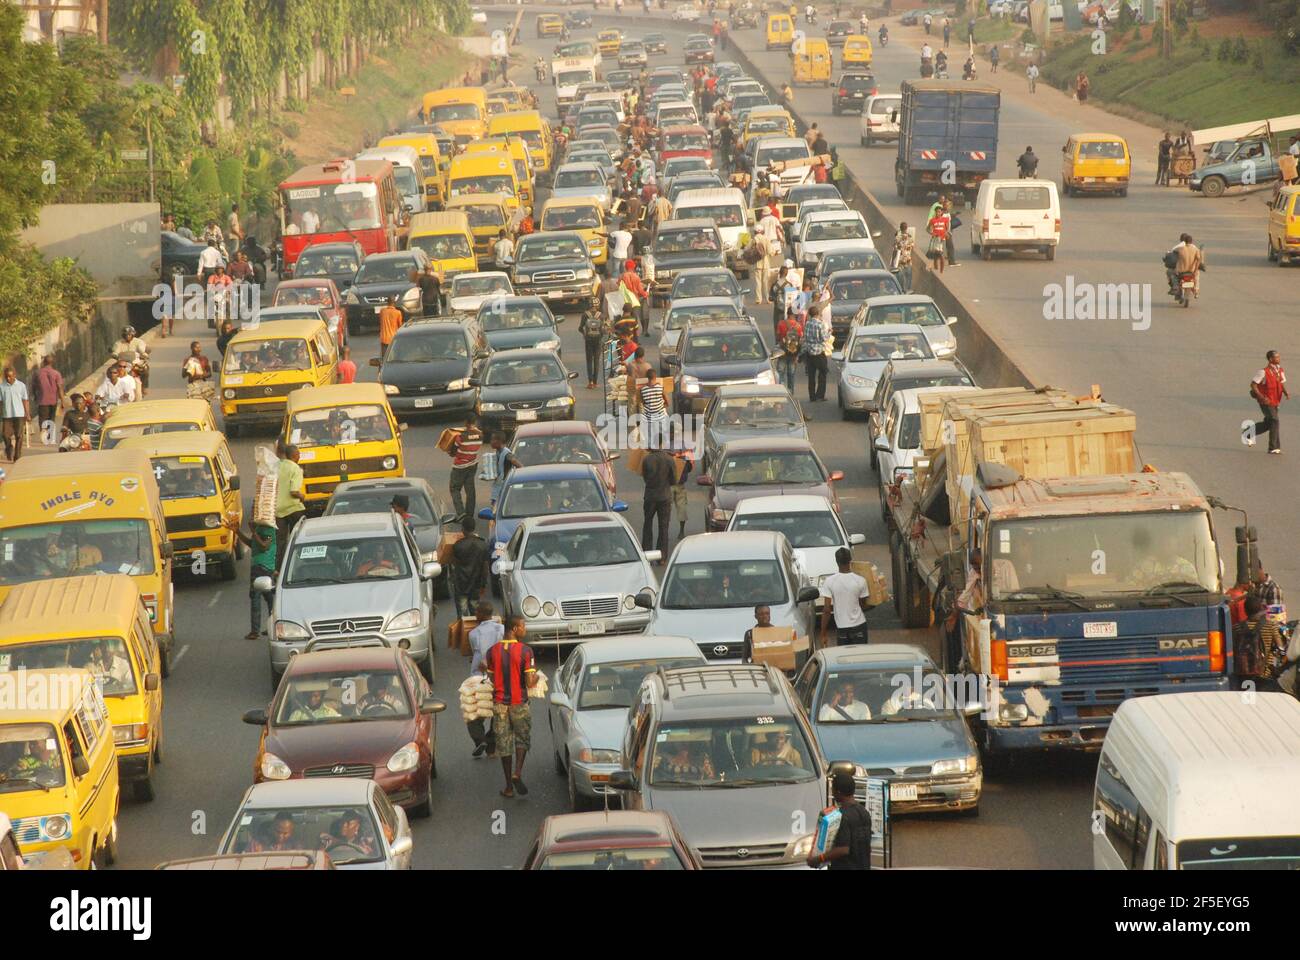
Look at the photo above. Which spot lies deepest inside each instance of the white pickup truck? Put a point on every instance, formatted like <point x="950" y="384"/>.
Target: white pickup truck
<point x="568" y="74"/>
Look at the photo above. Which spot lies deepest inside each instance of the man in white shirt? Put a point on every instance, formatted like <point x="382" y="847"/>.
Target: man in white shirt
<point x="845" y="594"/>
<point x="843" y="706"/>
<point x="117" y="388"/>
<point x="927" y="53"/>
<point x="310" y="221"/>
<point x="503" y="251"/>
<point x="620" y="244"/>
<point x="210" y="259"/>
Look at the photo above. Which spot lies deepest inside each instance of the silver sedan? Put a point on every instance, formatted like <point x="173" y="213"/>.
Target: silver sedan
<point x="865" y="356"/>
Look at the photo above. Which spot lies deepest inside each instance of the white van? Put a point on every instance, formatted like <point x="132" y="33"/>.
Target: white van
<point x="880" y="118"/>
<point x="607" y="98"/>
<point x="1199" y="781"/>
<point x="408" y="171"/>
<point x="1016" y="215"/>
<point x="725" y="206"/>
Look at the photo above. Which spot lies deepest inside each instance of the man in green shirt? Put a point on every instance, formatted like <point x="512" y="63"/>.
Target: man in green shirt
<point x="261" y="539"/>
<point x="290" y="501"/>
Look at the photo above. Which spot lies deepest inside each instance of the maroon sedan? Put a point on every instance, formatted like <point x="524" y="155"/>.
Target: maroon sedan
<point x="611" y="840"/>
<point x="315" y="292"/>
<point x="352" y="712"/>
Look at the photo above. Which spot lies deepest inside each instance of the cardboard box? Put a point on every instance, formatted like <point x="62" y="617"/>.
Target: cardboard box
<point x="777" y="646"/>
<point x="635" y="457"/>
<point x="449" y="540"/>
<point x="877" y="592"/>
<point x="448" y="438"/>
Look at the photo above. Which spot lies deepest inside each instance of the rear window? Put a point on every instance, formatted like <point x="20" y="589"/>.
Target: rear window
<point x="723" y="214"/>
<point x="1022" y="198"/>
<point x="790" y="152"/>
<point x="741" y="346"/>
<point x="686" y="141"/>
<point x="1103" y="150"/>
<point x="858" y="83"/>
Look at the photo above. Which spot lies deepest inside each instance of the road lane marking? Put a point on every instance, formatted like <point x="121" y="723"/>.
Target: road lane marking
<point x="215" y="597"/>
<point x="180" y="653"/>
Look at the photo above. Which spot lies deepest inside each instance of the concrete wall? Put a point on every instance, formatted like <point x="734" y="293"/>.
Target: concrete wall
<point x="117" y="243"/>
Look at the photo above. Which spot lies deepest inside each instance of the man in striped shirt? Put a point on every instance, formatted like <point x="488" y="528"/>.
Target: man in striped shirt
<point x="464" y="464"/>
<point x="513" y="669"/>
<point x="653" y="413"/>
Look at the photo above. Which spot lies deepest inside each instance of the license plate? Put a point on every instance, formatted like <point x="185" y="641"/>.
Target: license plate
<point x="902" y="792"/>
<point x="1101" y="628"/>
<point x="857" y="96"/>
<point x="555" y="294"/>
<point x="525" y="415"/>
<point x="423" y="404"/>
<point x="1188" y="285"/>
<point x="1089" y="179"/>
<point x="593" y="629"/>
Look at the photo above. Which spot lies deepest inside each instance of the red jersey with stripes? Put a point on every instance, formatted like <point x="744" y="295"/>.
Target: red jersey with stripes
<point x="510" y="662"/>
<point x="467" y="448"/>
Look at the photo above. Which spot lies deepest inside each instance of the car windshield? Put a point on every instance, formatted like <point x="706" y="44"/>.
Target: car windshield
<point x="883" y="696"/>
<point x="691" y="181"/>
<point x="579" y="178"/>
<point x="567" y="78"/>
<point x="75" y="548"/>
<point x="557" y="448"/>
<point x="454" y="111"/>
<point x="448" y="246"/>
<point x="716" y="754"/>
<point x="679" y="317"/>
<point x="724" y="584"/>
<point x="341" y="697"/>
<point x="331" y="426"/>
<point x="266" y="356"/>
<point x="756" y="469"/>
<point x="314" y="295"/>
<point x="857" y="82"/>
<point x="614" y="858"/>
<point x="312" y="264"/>
<point x="853" y="229"/>
<point x="889" y="346"/>
<point x="722" y="214"/>
<point x="105" y="657"/>
<point x="675" y="166"/>
<point x="1145" y="553"/>
<point x="380" y="501"/>
<point x="533" y="498"/>
<point x="480" y="286"/>
<point x="925" y="382"/>
<point x="686" y="141"/>
<point x="921" y="314"/>
<point x="676" y="114"/>
<point x="687" y="240"/>
<point x="427" y="347"/>
<point x="802" y="529"/>
<point x="571" y="218"/>
<point x="613" y="686"/>
<point x="181" y="477"/>
<point x="347" y="833"/>
<point x="1101" y="150"/>
<point x="858" y="260"/>
<point x="767" y="154"/>
<point x="541" y="247"/>
<point x="29" y="757"/>
<point x="739" y="413"/>
<point x="482" y="214"/>
<point x="812" y="191"/>
<point x="498" y="315"/>
<point x="1237" y="853"/>
<point x="503" y="372"/>
<point x="332" y="207"/>
<point x="885" y="105"/>
<point x="116" y="435"/>
<point x="591" y="547"/>
<point x="488" y="183"/>
<point x="862" y="288"/>
<point x="395" y="270"/>
<point x="345" y="561"/>
<point x="705" y="285"/>
<point x="743" y="346"/>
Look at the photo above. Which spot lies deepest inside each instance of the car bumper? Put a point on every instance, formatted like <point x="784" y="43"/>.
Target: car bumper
<point x="245" y="414"/>
<point x="855" y="398"/>
<point x="406" y="789"/>
<point x="368" y="315"/>
<point x="1018" y="243"/>
<point x="850" y="104"/>
<point x="460" y="400"/>
<point x="317" y="490"/>
<point x="508" y="420"/>
<point x="592" y="779"/>
<point x="562" y="633"/>
<point x="133" y="766"/>
<point x="936" y="794"/>
<point x="417" y="640"/>
<point x="581" y="291"/>
<point x="1105" y="184"/>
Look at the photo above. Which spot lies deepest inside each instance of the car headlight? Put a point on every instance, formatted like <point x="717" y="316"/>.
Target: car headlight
<point x="765" y="379"/>
<point x="719" y="515"/>
<point x="549" y="345"/>
<point x="407" y="620"/>
<point x="56" y="826"/>
<point x="523" y="277"/>
<point x="532" y="607"/>
<point x="799" y="849"/>
<point x="1012" y="712"/>
<point x="412" y="296"/>
<point x="128" y="732"/>
<point x="228" y="393"/>
<point x="690" y="384"/>
<point x="288" y="630"/>
<point x="407" y="758"/>
<point x="489" y="407"/>
<point x="629" y="602"/>
<point x="559" y="402"/>
<point x="588" y="755"/>
<point x="273" y="768"/>
<point x="461" y="384"/>
<point x="350" y="297"/>
<point x="212" y="520"/>
<point x="391" y="389"/>
<point x="389" y="463"/>
<point x="961" y="765"/>
<point x="860" y="382"/>
<point x="585" y="273"/>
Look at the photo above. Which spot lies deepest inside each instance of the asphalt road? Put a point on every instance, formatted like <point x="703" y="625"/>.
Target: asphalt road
<point x="1033" y="816"/>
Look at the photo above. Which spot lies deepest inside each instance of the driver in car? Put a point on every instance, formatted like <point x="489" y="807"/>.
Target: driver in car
<point x="347" y="832"/>
<point x="313" y="705"/>
<point x="843" y="705"/>
<point x="39" y="763"/>
<point x="382" y="692"/>
<point x="380" y="564"/>
<point x="775" y="750"/>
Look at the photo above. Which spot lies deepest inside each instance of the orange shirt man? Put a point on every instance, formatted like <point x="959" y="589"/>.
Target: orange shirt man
<point x="390" y="318"/>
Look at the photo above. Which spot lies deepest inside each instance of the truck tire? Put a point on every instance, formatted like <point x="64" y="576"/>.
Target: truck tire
<point x="915" y="602"/>
<point x="1214" y="186"/>
<point x="1050" y="252"/>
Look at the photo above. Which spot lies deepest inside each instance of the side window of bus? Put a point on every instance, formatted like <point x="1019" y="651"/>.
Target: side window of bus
<point x="326" y="346"/>
<point x="1162" y="852"/>
<point x="144" y="643"/>
<point x="1119" y="808"/>
<point x="74" y="743"/>
<point x="316" y="359"/>
<point x="1143" y="843"/>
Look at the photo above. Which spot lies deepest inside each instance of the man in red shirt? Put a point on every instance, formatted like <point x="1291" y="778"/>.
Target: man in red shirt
<point x="347" y="368"/>
<point x="632" y="282"/>
<point x="513" y="670"/>
<point x="1268" y="387"/>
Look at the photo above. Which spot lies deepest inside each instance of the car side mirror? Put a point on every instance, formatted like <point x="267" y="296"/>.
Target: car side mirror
<point x="486" y="514"/>
<point x="856" y="539"/>
<point x="503" y="566"/>
<point x="613" y="455"/>
<point x="871" y="406"/>
<point x="881" y="444"/>
<point x="374" y="361"/>
<point x="263" y="584"/>
<point x="618" y="506"/>
<point x="837" y="767"/>
<point x="837" y="475"/>
<point x="654" y="555"/>
<point x="838" y="356"/>
<point x="402" y="845"/>
<point x="432" y="705"/>
<point x="622" y="780"/>
<point x="704" y="481"/>
<point x="950" y="321"/>
<point x="256" y="718"/>
<point x="234" y="483"/>
<point x="573" y="374"/>
<point x="80" y="765"/>
<point x="972" y="709"/>
<point x="480" y="355"/>
<point x="558" y="699"/>
<point x="431" y="570"/>
<point x="167" y="550"/>
<point x="403" y="427"/>
<point x="808" y="594"/>
<point x="644" y="600"/>
<point x="475" y="381"/>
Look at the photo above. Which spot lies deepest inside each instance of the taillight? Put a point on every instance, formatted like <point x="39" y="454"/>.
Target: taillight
<point x="998" y="656"/>
<point x="1218" y="661"/>
<point x="874" y="91"/>
<point x="986" y="225"/>
<point x="1058" y="224"/>
<point x="844" y="92"/>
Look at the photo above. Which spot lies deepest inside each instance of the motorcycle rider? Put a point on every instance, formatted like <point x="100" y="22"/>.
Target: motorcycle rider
<point x="539" y="68"/>
<point x="968" y="69"/>
<point x="864" y="24"/>
<point x="810" y="14"/>
<point x="1028" y="164"/>
<point x="882" y="35"/>
<point x="137" y="352"/>
<point x="941" y="62"/>
<point x="1187" y="258"/>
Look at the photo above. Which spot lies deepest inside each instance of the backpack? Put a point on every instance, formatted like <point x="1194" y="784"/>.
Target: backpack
<point x="791" y="342"/>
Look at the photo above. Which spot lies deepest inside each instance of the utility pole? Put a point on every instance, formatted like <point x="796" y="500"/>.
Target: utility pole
<point x="1166" y="38"/>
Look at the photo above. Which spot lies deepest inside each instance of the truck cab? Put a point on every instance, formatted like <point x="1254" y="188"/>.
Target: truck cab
<point x="1252" y="161"/>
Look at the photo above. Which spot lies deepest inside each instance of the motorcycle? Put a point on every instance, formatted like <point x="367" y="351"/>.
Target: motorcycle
<point x="539" y="69"/>
<point x="1185" y="290"/>
<point x="884" y="38"/>
<point x="257" y="256"/>
<point x="810" y="16"/>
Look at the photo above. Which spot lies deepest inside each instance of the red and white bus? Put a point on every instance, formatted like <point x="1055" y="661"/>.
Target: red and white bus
<point x="340" y="200"/>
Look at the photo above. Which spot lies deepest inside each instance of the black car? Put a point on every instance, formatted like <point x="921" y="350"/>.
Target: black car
<point x="715" y="353"/>
<point x="376" y="496"/>
<point x="577" y="18"/>
<point x="655" y="43"/>
<point x="428" y="366"/>
<point x="833" y="261"/>
<point x="523" y="386"/>
<point x="852" y="91"/>
<point x="339" y="261"/>
<point x="180" y="257"/>
<point x="510" y="323"/>
<point x="620" y="80"/>
<point x="838" y="32"/>
<point x="556" y="265"/>
<point x="849" y="290"/>
<point x="698" y="51"/>
<point x="680" y="244"/>
<point x="384" y="275"/>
